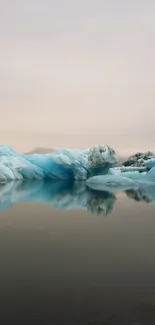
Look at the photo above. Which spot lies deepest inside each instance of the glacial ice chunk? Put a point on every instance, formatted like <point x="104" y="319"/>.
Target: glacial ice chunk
<point x="138" y="159"/>
<point x="123" y="178"/>
<point x="150" y="163"/>
<point x="60" y="164"/>
<point x="110" y="182"/>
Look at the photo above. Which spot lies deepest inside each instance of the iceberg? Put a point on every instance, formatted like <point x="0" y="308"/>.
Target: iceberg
<point x="108" y="182"/>
<point x="150" y="163"/>
<point x="123" y="178"/>
<point x="61" y="164"/>
<point x="98" y="166"/>
<point x="138" y="159"/>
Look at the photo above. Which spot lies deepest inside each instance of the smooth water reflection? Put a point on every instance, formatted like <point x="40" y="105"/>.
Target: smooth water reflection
<point x="67" y="195"/>
<point x="64" y="267"/>
<point x="60" y="194"/>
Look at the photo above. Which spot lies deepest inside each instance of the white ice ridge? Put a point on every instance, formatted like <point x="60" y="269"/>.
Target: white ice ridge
<point x="123" y="178"/>
<point x="137" y="172"/>
<point x="60" y="164"/>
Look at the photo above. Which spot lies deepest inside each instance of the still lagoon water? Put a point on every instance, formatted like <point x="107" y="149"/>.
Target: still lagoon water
<point x="74" y="256"/>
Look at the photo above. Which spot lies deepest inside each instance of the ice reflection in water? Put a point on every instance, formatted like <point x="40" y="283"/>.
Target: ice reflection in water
<point x="60" y="194"/>
<point x="68" y="195"/>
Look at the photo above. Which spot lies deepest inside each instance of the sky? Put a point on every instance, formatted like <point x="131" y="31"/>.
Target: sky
<point x="77" y="72"/>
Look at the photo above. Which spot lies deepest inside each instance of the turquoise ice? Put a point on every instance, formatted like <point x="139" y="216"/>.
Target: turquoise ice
<point x="60" y="164"/>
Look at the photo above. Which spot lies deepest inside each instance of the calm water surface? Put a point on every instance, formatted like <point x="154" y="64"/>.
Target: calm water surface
<point x="71" y="256"/>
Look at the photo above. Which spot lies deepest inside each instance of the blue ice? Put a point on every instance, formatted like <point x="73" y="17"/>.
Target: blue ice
<point x="60" y="164"/>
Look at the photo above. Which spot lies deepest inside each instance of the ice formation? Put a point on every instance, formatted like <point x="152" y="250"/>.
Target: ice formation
<point x="120" y="179"/>
<point x="139" y="159"/>
<point x="97" y="165"/>
<point x="60" y="164"/>
<point x="136" y="173"/>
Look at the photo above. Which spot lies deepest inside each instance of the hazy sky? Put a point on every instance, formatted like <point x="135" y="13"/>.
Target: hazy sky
<point x="77" y="67"/>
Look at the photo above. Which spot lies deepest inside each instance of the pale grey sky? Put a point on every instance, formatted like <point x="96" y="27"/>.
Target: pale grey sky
<point x="71" y="67"/>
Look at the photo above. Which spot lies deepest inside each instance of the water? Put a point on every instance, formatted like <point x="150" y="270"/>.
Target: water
<point x="72" y="256"/>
